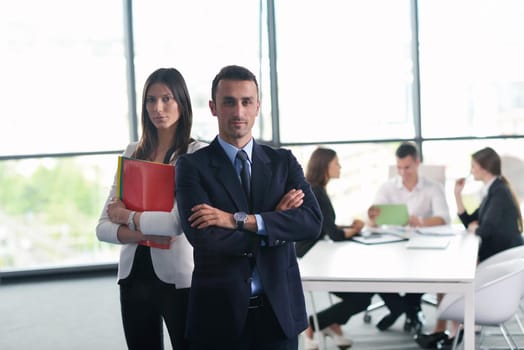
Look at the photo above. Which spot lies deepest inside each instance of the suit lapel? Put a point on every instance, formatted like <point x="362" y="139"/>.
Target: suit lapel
<point x="261" y="175"/>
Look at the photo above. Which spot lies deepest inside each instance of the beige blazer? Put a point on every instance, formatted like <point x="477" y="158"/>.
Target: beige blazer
<point x="174" y="265"/>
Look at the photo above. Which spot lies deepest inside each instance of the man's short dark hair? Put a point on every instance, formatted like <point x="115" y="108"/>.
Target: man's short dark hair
<point x="407" y="149"/>
<point x="232" y="73"/>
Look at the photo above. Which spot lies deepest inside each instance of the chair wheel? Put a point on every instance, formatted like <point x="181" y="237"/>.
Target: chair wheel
<point x="367" y="318"/>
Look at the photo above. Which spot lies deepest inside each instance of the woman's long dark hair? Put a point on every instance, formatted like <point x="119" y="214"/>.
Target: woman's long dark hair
<point x="318" y="166"/>
<point x="171" y="78"/>
<point x="489" y="160"/>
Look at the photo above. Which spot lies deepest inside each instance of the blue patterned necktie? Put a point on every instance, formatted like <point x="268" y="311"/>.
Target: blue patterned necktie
<point x="245" y="177"/>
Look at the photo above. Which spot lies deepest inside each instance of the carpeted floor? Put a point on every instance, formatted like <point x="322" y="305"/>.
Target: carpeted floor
<point x="83" y="313"/>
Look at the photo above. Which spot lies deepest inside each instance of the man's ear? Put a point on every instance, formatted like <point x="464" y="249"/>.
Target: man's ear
<point x="212" y="107"/>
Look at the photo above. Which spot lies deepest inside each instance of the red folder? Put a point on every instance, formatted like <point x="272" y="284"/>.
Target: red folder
<point x="146" y="186"/>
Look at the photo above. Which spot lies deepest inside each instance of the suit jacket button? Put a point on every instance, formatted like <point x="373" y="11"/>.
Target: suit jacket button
<point x="277" y="241"/>
<point x="249" y="255"/>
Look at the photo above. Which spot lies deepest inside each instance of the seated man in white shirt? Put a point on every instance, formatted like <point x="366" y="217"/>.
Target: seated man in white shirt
<point x="427" y="206"/>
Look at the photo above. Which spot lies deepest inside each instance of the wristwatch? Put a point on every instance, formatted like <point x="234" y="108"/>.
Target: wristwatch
<point x="131" y="221"/>
<point x="240" y="219"/>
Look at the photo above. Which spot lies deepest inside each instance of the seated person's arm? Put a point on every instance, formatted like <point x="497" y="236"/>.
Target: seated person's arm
<point x="373" y="213"/>
<point x="418" y="221"/>
<point x="353" y="229"/>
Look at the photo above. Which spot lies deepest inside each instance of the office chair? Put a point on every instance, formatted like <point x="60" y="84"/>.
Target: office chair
<point x="506" y="255"/>
<point x="498" y="293"/>
<point x="436" y="173"/>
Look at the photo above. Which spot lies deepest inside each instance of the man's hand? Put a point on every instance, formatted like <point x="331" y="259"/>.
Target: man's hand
<point x="416" y="221"/>
<point x="373" y="213"/>
<point x="205" y="215"/>
<point x="291" y="200"/>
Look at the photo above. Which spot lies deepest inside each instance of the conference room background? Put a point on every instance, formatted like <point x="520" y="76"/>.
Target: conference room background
<point x="358" y="76"/>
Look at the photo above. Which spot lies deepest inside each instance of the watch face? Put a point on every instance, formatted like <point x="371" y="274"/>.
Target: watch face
<point x="240" y="216"/>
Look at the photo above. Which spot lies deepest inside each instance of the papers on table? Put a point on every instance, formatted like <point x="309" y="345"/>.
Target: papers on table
<point x="443" y="230"/>
<point x="387" y="229"/>
<point x="368" y="237"/>
<point x="434" y="237"/>
<point x="419" y="242"/>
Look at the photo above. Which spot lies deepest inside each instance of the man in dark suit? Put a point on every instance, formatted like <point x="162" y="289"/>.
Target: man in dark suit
<point x="246" y="291"/>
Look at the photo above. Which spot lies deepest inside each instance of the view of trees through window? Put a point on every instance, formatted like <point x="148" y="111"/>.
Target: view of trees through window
<point x="343" y="75"/>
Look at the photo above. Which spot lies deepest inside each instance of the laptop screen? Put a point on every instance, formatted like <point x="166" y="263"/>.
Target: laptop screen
<point x="392" y="214"/>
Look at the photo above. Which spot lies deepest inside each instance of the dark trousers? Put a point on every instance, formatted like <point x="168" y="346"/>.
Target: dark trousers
<point x="262" y="332"/>
<point x="341" y="312"/>
<point x="145" y="305"/>
<point x="410" y="302"/>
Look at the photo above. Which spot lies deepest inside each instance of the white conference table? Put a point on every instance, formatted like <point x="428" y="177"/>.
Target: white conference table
<point x="391" y="267"/>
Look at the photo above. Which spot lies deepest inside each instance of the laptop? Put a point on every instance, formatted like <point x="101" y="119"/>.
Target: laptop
<point x="392" y="214"/>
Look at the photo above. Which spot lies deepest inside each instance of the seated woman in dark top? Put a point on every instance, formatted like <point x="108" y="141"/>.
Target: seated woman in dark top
<point x="323" y="165"/>
<point x="497" y="221"/>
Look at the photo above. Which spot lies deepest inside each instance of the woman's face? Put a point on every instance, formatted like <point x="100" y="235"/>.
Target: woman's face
<point x="161" y="106"/>
<point x="477" y="171"/>
<point x="334" y="168"/>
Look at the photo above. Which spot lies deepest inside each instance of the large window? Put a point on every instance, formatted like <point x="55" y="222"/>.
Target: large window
<point x="198" y="38"/>
<point x="345" y="70"/>
<point x="357" y="76"/>
<point x="63" y="91"/>
<point x="48" y="212"/>
<point x="63" y="86"/>
<point x="471" y="71"/>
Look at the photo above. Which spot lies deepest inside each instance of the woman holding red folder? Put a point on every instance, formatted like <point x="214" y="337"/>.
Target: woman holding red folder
<point x="154" y="282"/>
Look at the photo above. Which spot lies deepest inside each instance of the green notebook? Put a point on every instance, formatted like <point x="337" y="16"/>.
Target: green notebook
<point x="392" y="214"/>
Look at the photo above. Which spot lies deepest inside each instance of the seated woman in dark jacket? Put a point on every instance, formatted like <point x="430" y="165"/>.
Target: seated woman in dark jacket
<point x="323" y="165"/>
<point x="497" y="221"/>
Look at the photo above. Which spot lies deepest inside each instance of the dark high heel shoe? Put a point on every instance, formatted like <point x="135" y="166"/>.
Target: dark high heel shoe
<point x="447" y="344"/>
<point x="388" y="320"/>
<point x="414" y="322"/>
<point x="431" y="340"/>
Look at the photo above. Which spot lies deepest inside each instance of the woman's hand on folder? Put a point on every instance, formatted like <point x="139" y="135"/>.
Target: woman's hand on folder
<point x="117" y="211"/>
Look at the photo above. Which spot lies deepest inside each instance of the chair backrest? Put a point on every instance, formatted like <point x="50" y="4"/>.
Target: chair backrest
<point x="434" y="172"/>
<point x="498" y="292"/>
<point x="512" y="169"/>
<point x="505" y="255"/>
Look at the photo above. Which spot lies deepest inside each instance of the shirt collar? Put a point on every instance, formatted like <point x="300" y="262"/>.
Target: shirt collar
<point x="231" y="150"/>
<point x="400" y="185"/>
<point x="484" y="190"/>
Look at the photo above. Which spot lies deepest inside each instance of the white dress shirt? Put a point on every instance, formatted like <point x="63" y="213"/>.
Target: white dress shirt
<point x="426" y="200"/>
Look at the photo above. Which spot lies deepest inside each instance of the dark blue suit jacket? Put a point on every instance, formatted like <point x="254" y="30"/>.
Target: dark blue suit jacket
<point x="497" y="218"/>
<point x="220" y="288"/>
